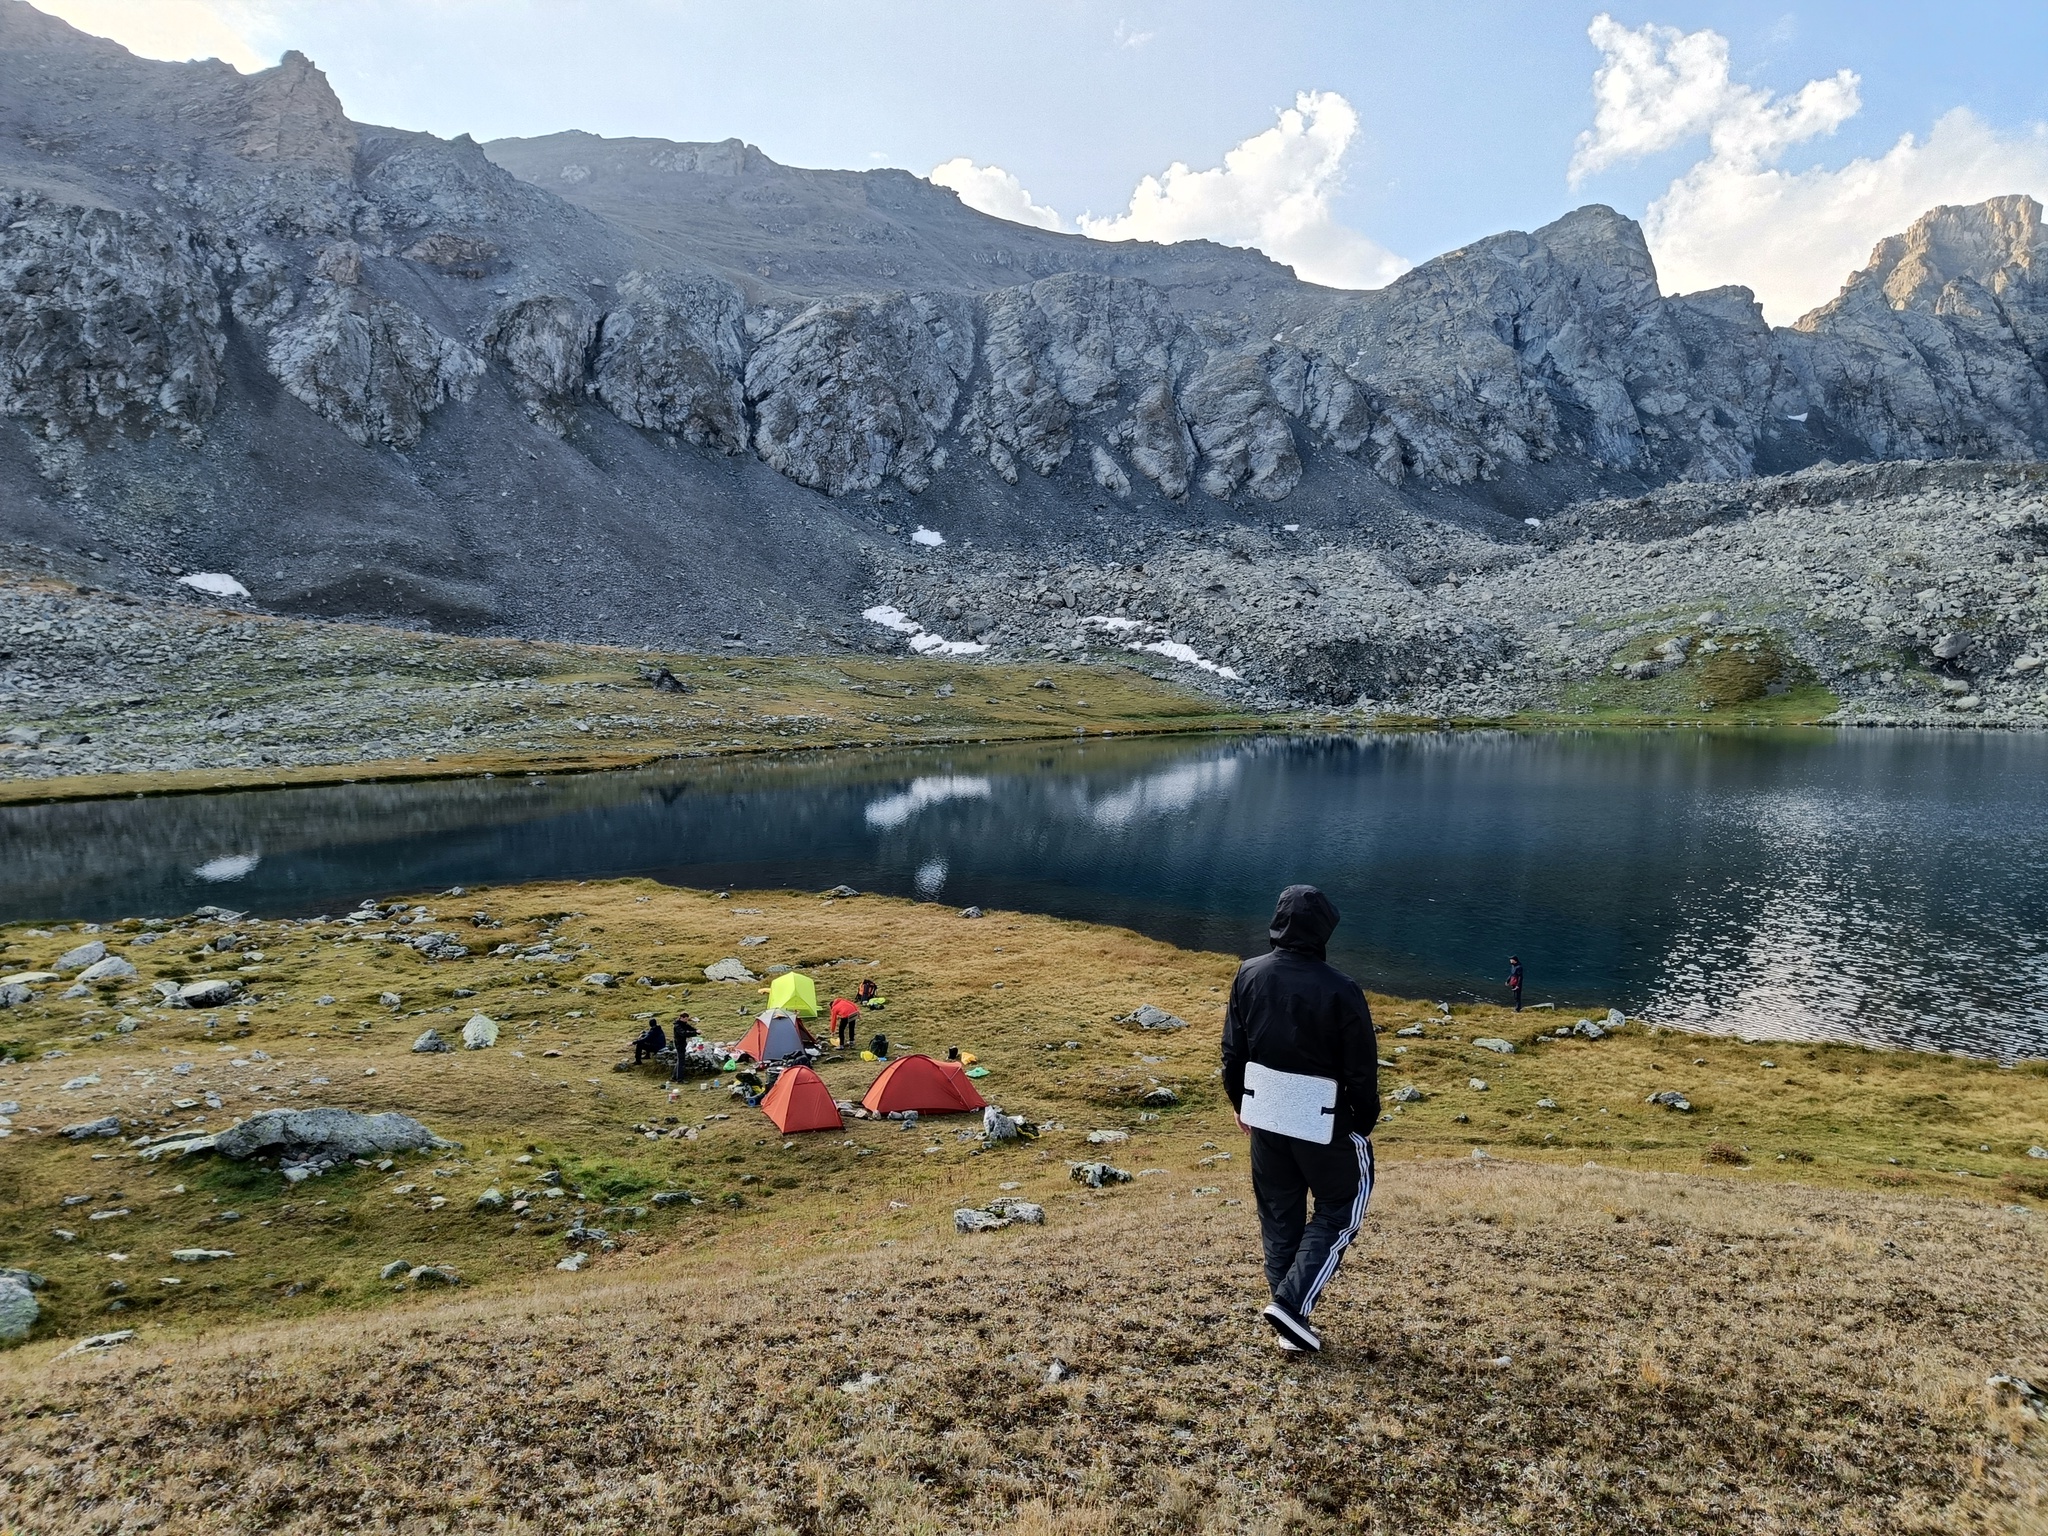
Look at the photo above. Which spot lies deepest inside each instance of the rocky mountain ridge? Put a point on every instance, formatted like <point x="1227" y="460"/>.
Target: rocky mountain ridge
<point x="632" y="390"/>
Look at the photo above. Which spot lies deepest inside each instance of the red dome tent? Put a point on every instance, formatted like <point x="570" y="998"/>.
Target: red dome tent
<point x="919" y="1083"/>
<point x="775" y="1035"/>
<point x="963" y="1085"/>
<point x="800" y="1101"/>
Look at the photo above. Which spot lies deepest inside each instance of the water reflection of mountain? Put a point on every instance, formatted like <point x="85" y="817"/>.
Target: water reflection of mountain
<point x="1867" y="885"/>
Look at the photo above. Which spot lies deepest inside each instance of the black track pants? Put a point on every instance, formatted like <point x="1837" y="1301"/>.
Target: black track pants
<point x="1302" y="1252"/>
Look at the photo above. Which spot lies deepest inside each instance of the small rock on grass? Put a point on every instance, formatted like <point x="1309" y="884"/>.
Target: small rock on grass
<point x="396" y="1269"/>
<point x="101" y="1341"/>
<point x="1024" y="1212"/>
<point x="492" y="1199"/>
<point x="19" y="1309"/>
<point x="1095" y="1175"/>
<point x="573" y="1262"/>
<point x="1149" y="1016"/>
<point x="433" y="1274"/>
<point x="480" y="1033"/>
<point x="200" y="1255"/>
<point x="1671" y="1099"/>
<point x="430" y="1041"/>
<point x="978" y="1221"/>
<point x="1497" y="1046"/>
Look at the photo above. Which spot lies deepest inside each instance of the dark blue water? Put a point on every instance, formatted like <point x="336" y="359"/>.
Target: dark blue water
<point x="1878" y="886"/>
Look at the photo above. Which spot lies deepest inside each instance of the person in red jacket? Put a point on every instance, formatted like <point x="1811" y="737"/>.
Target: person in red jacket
<point x="843" y="1012"/>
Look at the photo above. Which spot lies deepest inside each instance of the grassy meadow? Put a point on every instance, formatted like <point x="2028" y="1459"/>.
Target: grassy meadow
<point x="1571" y="1309"/>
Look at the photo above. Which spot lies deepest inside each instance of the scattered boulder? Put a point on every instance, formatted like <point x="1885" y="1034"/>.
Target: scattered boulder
<point x="99" y="1341"/>
<point x="113" y="968"/>
<point x="1412" y="1032"/>
<point x="1150" y="1017"/>
<point x="332" y="1134"/>
<point x="1022" y="1212"/>
<point x="1408" y="1093"/>
<point x="440" y="946"/>
<point x="19" y="1308"/>
<point x="2037" y="1151"/>
<point x="209" y="992"/>
<point x="842" y="892"/>
<point x="433" y="1274"/>
<point x="1107" y="1138"/>
<point x="15" y="994"/>
<point x="672" y="1197"/>
<point x="1671" y="1099"/>
<point x="997" y="1126"/>
<point x="106" y="1125"/>
<point x="200" y="1255"/>
<point x="1095" y="1175"/>
<point x="574" y="1262"/>
<point x="1497" y="1046"/>
<point x="396" y="1269"/>
<point x="600" y="979"/>
<point x="81" y="958"/>
<point x="1057" y="1372"/>
<point x="389" y="999"/>
<point x="1159" y="1098"/>
<point x="728" y="969"/>
<point x="430" y="1040"/>
<point x="1587" y="1029"/>
<point x="480" y="1033"/>
<point x="492" y="1199"/>
<point x="1476" y="1084"/>
<point x="978" y="1221"/>
<point x="1546" y="1103"/>
<point x="970" y="912"/>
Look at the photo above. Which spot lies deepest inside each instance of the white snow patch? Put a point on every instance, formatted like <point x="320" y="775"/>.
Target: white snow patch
<point x="892" y="618"/>
<point x="897" y="809"/>
<point x="1290" y="527"/>
<point x="1533" y="522"/>
<point x="1115" y="626"/>
<point x="214" y="584"/>
<point x="230" y="866"/>
<point x="1800" y="417"/>
<point x="931" y="538"/>
<point x="922" y="640"/>
<point x="1174" y="650"/>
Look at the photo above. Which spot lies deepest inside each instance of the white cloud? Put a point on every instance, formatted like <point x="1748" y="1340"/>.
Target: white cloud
<point x="233" y="30"/>
<point x="1274" y="191"/>
<point x="994" y="191"/>
<point x="1126" y="38"/>
<point x="1736" y="215"/>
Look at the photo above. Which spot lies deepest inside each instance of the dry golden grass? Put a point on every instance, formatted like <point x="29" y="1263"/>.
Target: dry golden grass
<point x="1770" y="1346"/>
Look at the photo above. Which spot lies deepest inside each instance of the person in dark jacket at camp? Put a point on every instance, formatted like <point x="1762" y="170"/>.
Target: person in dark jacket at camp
<point x="650" y="1044"/>
<point x="1300" y="1030"/>
<point x="1515" y="980"/>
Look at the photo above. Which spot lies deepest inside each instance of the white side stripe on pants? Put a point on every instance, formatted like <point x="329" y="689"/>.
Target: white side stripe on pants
<point x="1329" y="1269"/>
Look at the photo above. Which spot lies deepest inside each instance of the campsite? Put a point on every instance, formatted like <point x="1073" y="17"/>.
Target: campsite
<point x="800" y="1329"/>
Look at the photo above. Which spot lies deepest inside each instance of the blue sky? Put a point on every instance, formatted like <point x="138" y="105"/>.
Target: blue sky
<point x="1456" y="120"/>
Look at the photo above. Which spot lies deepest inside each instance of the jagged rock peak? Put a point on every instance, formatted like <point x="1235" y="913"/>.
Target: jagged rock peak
<point x="290" y="114"/>
<point x="1999" y="245"/>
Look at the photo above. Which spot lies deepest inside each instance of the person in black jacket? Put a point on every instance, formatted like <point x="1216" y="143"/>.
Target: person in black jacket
<point x="1293" y="1012"/>
<point x="651" y="1042"/>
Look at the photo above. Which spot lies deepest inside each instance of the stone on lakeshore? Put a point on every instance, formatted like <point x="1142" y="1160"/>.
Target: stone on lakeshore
<point x="19" y="1309"/>
<point x="82" y="957"/>
<point x="429" y="1041"/>
<point x="333" y="1135"/>
<point x="1150" y="1017"/>
<point x="970" y="912"/>
<point x="1588" y="1030"/>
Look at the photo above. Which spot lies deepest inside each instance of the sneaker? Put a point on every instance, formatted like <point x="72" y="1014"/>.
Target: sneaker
<point x="1292" y="1329"/>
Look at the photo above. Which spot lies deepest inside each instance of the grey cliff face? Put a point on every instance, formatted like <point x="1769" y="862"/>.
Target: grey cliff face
<point x="688" y="361"/>
<point x="109" y="323"/>
<point x="671" y="359"/>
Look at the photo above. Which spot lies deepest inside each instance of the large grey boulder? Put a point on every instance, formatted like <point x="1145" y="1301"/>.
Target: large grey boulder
<point x="85" y="955"/>
<point x="19" y="1309"/>
<point x="113" y="968"/>
<point x="209" y="992"/>
<point x="728" y="969"/>
<point x="305" y="1134"/>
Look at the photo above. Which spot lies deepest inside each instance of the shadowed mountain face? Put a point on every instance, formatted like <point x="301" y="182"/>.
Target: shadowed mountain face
<point x="660" y="392"/>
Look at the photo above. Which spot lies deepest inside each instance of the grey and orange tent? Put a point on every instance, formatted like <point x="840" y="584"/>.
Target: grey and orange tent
<point x="919" y="1083"/>
<point x="775" y="1036"/>
<point x="800" y="1101"/>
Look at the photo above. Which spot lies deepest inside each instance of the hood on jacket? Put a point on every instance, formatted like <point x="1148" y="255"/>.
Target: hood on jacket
<point x="1303" y="920"/>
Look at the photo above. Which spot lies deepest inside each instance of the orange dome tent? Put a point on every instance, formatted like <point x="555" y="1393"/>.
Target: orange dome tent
<point x="963" y="1086"/>
<point x="800" y="1101"/>
<point x="919" y="1083"/>
<point x="775" y="1035"/>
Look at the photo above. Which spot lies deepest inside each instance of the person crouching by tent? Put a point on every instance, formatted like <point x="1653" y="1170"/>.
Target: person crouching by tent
<point x="845" y="1011"/>
<point x="651" y="1043"/>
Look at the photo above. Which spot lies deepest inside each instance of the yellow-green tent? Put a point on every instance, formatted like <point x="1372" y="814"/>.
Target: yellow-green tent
<point x="794" y="991"/>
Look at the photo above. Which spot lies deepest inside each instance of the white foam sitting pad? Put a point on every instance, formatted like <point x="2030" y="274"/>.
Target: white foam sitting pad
<point x="1289" y="1104"/>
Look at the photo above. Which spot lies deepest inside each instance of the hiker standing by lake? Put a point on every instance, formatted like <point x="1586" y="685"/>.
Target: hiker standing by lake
<point x="1301" y="1066"/>
<point x="1515" y="980"/>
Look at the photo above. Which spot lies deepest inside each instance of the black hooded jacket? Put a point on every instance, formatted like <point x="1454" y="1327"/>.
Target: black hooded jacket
<point x="1293" y="1011"/>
